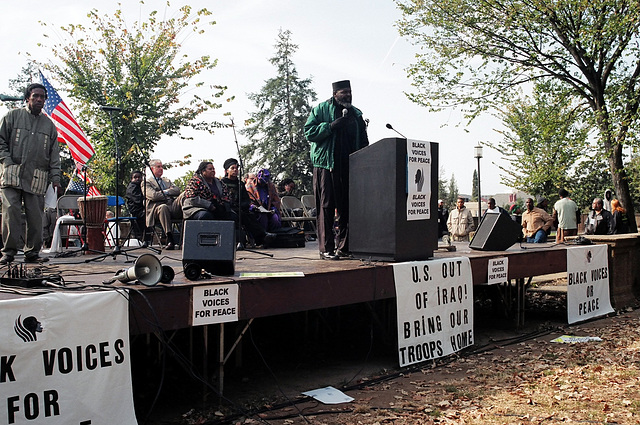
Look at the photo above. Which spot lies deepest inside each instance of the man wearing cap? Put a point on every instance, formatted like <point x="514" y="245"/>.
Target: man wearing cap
<point x="240" y="203"/>
<point x="335" y="129"/>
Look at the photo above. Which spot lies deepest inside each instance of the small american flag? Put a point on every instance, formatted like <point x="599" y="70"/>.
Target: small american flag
<point x="69" y="131"/>
<point x="77" y="185"/>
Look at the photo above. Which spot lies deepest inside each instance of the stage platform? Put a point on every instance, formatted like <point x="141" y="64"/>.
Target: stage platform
<point x="323" y="284"/>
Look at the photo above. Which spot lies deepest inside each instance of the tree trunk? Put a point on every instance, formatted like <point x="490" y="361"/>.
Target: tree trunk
<point x="621" y="185"/>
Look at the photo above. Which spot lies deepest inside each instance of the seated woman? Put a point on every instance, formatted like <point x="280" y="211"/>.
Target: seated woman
<point x="265" y="202"/>
<point x="206" y="197"/>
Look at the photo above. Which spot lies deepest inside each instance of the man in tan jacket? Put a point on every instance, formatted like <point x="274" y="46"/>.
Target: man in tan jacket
<point x="460" y="222"/>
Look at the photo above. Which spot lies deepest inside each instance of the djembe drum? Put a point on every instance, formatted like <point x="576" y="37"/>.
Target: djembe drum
<point x="93" y="212"/>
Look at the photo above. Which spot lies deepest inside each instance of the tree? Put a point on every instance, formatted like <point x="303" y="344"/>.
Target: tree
<point x="477" y="53"/>
<point x="452" y="197"/>
<point x="138" y="67"/>
<point x="589" y="180"/>
<point x="543" y="140"/>
<point x="474" y="186"/>
<point x="442" y="185"/>
<point x="276" y="130"/>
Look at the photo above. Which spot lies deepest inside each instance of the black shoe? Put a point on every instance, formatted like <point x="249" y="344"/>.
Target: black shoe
<point x="6" y="259"/>
<point x="269" y="238"/>
<point x="342" y="254"/>
<point x="170" y="246"/>
<point x="35" y="259"/>
<point x="328" y="256"/>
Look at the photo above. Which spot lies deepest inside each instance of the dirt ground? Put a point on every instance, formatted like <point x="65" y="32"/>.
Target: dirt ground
<point x="509" y="377"/>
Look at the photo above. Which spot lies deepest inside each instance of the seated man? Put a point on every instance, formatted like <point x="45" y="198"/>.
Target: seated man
<point x="535" y="223"/>
<point x="240" y="203"/>
<point x="206" y="197"/>
<point x="286" y="187"/>
<point x="599" y="221"/>
<point x="265" y="202"/>
<point x="134" y="200"/>
<point x="163" y="201"/>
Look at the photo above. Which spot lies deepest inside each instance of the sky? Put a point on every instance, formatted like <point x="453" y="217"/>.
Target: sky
<point x="337" y="40"/>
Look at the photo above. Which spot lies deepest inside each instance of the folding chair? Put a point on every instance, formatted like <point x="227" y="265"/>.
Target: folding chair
<point x="65" y="204"/>
<point x="293" y="211"/>
<point x="123" y="223"/>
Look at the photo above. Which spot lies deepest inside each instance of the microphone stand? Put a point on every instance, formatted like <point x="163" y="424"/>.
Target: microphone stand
<point x="116" y="248"/>
<point x="240" y="171"/>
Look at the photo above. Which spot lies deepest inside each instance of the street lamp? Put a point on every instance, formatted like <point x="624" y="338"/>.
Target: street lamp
<point x="477" y="153"/>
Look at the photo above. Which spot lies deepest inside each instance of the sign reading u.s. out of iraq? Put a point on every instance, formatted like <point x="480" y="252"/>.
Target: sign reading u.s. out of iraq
<point x="64" y="360"/>
<point x="419" y="180"/>
<point x="435" y="308"/>
<point x="214" y="304"/>
<point x="587" y="283"/>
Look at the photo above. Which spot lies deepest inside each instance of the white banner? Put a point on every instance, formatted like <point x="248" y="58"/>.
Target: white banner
<point x="587" y="283"/>
<point x="435" y="308"/>
<point x="214" y="304"/>
<point x="64" y="360"/>
<point x="419" y="180"/>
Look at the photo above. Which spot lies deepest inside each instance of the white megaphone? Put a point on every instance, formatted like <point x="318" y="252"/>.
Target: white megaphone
<point x="147" y="269"/>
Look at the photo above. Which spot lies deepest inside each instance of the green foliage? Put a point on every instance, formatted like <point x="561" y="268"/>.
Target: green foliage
<point x="138" y="67"/>
<point x="476" y="53"/>
<point x="474" y="186"/>
<point x="452" y="195"/>
<point x="442" y="185"/>
<point x="544" y="138"/>
<point x="276" y="129"/>
<point x="589" y="180"/>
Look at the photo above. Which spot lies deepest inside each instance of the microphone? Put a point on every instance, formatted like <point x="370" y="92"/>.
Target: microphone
<point x="391" y="128"/>
<point x="5" y="98"/>
<point x="366" y="122"/>
<point x="344" y="112"/>
<point x="107" y="108"/>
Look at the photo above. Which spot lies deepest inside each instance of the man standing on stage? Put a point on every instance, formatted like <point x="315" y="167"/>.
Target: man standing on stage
<point x="30" y="159"/>
<point x="163" y="201"/>
<point x="335" y="129"/>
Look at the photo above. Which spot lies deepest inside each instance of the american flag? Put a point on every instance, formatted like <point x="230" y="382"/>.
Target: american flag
<point x="69" y="131"/>
<point x="76" y="184"/>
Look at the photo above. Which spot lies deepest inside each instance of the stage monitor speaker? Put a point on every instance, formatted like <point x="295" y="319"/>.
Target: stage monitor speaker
<point x="496" y="232"/>
<point x="209" y="245"/>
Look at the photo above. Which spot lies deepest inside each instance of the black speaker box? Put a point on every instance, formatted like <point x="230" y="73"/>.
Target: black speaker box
<point x="496" y="232"/>
<point x="209" y="245"/>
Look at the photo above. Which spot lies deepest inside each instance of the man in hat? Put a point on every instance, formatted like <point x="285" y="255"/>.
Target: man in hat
<point x="335" y="129"/>
<point x="30" y="159"/>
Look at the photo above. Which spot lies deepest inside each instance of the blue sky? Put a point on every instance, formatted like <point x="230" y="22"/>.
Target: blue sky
<point x="337" y="40"/>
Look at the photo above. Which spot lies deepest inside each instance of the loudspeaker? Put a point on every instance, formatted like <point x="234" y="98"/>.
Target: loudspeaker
<point x="209" y="245"/>
<point x="496" y="232"/>
<point x="147" y="270"/>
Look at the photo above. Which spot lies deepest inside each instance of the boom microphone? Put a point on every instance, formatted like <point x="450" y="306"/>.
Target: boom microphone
<point x="391" y="128"/>
<point x="107" y="108"/>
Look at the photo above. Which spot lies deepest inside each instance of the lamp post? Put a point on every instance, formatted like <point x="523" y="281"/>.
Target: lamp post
<point x="477" y="151"/>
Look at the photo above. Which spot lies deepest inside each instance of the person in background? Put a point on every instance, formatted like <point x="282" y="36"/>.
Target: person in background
<point x="566" y="216"/>
<point x="335" y="129"/>
<point x="535" y="223"/>
<point x="443" y="215"/>
<point x="620" y="218"/>
<point x="286" y="188"/>
<point x="599" y="221"/>
<point x="30" y="159"/>
<point x="134" y="200"/>
<point x="265" y="202"/>
<point x="163" y="201"/>
<point x="206" y="197"/>
<point x="240" y="203"/>
<point x="606" y="200"/>
<point x="460" y="222"/>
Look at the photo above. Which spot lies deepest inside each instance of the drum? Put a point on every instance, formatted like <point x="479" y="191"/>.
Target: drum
<point x="94" y="212"/>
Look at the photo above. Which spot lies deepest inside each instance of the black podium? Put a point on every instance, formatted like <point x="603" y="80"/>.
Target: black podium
<point x="378" y="190"/>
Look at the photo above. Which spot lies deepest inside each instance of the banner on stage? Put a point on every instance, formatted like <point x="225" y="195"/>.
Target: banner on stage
<point x="497" y="270"/>
<point x="214" y="304"/>
<point x="434" y="300"/>
<point x="418" y="180"/>
<point x="587" y="283"/>
<point x="64" y="359"/>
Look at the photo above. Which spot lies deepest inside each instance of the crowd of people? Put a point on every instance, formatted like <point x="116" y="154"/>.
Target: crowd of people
<point x="30" y="161"/>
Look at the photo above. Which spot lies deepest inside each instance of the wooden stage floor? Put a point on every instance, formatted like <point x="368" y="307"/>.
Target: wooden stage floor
<point x="324" y="284"/>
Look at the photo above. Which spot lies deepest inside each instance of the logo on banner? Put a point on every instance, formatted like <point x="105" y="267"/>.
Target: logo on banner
<point x="26" y="329"/>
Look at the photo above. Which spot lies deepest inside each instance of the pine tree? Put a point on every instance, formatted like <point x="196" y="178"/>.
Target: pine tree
<point x="276" y="129"/>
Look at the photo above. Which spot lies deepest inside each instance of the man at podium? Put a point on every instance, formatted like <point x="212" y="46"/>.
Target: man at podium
<point x="335" y="129"/>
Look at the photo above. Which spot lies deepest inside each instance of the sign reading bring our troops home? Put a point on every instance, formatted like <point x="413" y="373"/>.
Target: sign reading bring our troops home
<point x="435" y="308"/>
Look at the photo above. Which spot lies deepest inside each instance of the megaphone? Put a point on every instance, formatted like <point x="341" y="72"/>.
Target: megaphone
<point x="147" y="270"/>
